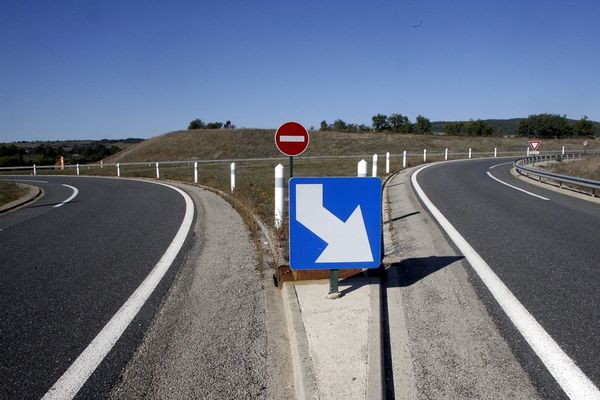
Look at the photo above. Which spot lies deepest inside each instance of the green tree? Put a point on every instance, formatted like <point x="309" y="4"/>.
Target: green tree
<point x="455" y="128"/>
<point x="380" y="123"/>
<point x="196" y="124"/>
<point x="324" y="126"/>
<point x="339" y="125"/>
<point x="545" y="126"/>
<point x="214" y="125"/>
<point x="422" y="125"/>
<point x="584" y="127"/>
<point x="399" y="123"/>
<point x="478" y="128"/>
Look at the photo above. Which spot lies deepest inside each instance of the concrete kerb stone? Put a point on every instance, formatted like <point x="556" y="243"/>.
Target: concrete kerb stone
<point x="305" y="381"/>
<point x="376" y="372"/>
<point x="33" y="193"/>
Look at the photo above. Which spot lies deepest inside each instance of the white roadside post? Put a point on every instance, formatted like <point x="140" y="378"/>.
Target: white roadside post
<point x="278" y="196"/>
<point x="404" y="159"/>
<point x="424" y="155"/>
<point x="78" y="169"/>
<point x="195" y="171"/>
<point x="387" y="162"/>
<point x="34" y="170"/>
<point x="563" y="150"/>
<point x="528" y="152"/>
<point x="495" y="152"/>
<point x="374" y="171"/>
<point x="157" y="172"/>
<point x="118" y="170"/>
<point x="446" y="154"/>
<point x="469" y="152"/>
<point x="362" y="168"/>
<point x="232" y="177"/>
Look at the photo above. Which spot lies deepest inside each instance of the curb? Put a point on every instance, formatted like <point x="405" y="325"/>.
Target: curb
<point x="376" y="372"/>
<point x="305" y="383"/>
<point x="33" y="194"/>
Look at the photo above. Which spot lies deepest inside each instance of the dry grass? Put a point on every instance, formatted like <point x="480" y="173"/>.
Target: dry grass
<point x="10" y="191"/>
<point x="259" y="143"/>
<point x="588" y="168"/>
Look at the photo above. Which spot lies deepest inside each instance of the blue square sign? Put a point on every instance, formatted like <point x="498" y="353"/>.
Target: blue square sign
<point x="335" y="223"/>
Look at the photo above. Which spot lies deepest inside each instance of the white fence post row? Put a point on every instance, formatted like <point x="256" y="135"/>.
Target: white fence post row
<point x="34" y="170"/>
<point x="446" y="154"/>
<point x="469" y="152"/>
<point x="118" y="170"/>
<point x="362" y="169"/>
<point x="495" y="152"/>
<point x="195" y="171"/>
<point x="387" y="162"/>
<point x="77" y="169"/>
<point x="278" y="196"/>
<point x="563" y="150"/>
<point x="424" y="155"/>
<point x="232" y="177"/>
<point x="404" y="159"/>
<point x="528" y="152"/>
<point x="374" y="171"/>
<point x="157" y="172"/>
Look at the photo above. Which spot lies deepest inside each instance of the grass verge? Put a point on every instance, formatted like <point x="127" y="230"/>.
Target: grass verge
<point x="10" y="192"/>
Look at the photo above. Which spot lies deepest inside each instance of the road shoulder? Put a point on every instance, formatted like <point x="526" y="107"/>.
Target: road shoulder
<point x="442" y="341"/>
<point x="209" y="338"/>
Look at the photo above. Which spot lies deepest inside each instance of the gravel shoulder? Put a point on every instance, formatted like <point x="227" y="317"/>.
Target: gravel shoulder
<point x="209" y="338"/>
<point x="443" y="343"/>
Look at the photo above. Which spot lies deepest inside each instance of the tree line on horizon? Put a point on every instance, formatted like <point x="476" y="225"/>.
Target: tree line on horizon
<point x="544" y="125"/>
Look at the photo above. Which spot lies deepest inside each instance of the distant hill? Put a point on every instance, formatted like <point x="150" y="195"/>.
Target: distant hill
<point x="503" y="127"/>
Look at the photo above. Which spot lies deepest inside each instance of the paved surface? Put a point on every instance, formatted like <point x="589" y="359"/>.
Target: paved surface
<point x="209" y="338"/>
<point x="546" y="252"/>
<point x="441" y="342"/>
<point x="337" y="331"/>
<point x="66" y="271"/>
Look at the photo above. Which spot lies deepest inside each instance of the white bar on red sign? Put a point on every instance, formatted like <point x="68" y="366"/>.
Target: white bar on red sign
<point x="295" y="139"/>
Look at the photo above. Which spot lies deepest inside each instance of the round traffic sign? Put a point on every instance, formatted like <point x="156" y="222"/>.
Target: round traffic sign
<point x="291" y="139"/>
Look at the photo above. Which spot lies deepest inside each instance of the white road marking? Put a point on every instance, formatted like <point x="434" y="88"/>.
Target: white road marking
<point x="75" y="193"/>
<point x="516" y="188"/>
<point x="497" y="165"/>
<point x="292" y="138"/>
<point x="567" y="374"/>
<point x="82" y="368"/>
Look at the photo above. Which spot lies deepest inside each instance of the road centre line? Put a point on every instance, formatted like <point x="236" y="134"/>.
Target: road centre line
<point x="564" y="370"/>
<point x="516" y="188"/>
<point x="75" y="193"/>
<point x="82" y="368"/>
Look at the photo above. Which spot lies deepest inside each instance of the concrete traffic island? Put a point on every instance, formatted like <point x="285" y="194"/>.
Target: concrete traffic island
<point x="33" y="193"/>
<point x="335" y="343"/>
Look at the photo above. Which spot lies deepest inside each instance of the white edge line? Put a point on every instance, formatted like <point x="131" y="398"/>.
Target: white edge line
<point x="25" y="180"/>
<point x="516" y="188"/>
<point x="567" y="374"/>
<point x="82" y="368"/>
<point x="75" y="193"/>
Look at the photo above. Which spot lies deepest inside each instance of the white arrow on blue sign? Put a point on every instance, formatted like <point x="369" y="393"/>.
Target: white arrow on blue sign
<point x="335" y="223"/>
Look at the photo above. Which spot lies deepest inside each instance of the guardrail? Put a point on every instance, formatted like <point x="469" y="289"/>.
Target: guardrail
<point x="522" y="167"/>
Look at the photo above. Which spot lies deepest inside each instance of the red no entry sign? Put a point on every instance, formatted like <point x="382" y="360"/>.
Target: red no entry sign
<point x="291" y="139"/>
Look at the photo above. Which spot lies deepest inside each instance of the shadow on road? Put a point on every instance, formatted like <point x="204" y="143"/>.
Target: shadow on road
<point x="412" y="270"/>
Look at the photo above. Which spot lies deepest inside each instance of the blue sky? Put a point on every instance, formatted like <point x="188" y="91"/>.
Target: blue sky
<point x="112" y="69"/>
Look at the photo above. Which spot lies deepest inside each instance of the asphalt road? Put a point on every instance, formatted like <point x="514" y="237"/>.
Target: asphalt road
<point x="545" y="251"/>
<point x="66" y="270"/>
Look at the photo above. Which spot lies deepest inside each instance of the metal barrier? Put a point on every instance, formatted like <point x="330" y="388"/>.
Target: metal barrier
<point x="521" y="165"/>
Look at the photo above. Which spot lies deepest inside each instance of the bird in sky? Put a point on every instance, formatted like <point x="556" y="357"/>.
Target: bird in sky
<point x="418" y="25"/>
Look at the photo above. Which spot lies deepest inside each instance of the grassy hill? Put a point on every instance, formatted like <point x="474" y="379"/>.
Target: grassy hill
<point x="208" y="144"/>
